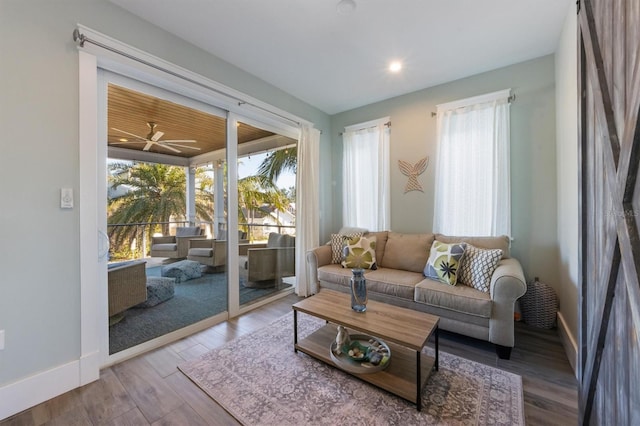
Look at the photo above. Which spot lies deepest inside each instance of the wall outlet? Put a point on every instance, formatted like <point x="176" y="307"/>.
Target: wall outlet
<point x="1" y="340"/>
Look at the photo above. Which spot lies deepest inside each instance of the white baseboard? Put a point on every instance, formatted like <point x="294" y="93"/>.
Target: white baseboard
<point x="569" y="343"/>
<point x="31" y="391"/>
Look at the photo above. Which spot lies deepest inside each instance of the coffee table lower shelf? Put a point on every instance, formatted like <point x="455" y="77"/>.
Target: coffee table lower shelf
<point x="398" y="378"/>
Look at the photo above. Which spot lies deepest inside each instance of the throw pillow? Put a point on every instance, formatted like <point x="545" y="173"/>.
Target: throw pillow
<point x="360" y="252"/>
<point x="444" y="260"/>
<point x="477" y="267"/>
<point x="338" y="241"/>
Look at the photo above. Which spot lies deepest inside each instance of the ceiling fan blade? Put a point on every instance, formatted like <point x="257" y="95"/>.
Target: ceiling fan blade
<point x="130" y="134"/>
<point x="168" y="147"/>
<point x="124" y="143"/>
<point x="157" y="135"/>
<point x="181" y="146"/>
<point x="148" y="145"/>
<point x="180" y="140"/>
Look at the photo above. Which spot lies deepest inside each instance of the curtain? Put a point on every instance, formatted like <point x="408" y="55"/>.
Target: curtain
<point x="307" y="205"/>
<point x="365" y="177"/>
<point x="472" y="190"/>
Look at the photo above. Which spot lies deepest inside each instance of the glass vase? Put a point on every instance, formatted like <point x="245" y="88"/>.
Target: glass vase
<point x="358" y="291"/>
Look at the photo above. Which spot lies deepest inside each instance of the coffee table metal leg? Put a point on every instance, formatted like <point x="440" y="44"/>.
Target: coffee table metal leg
<point x="295" y="331"/>
<point x="418" y="381"/>
<point x="435" y="365"/>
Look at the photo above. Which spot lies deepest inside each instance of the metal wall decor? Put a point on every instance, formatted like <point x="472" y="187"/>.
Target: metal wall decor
<point x="412" y="172"/>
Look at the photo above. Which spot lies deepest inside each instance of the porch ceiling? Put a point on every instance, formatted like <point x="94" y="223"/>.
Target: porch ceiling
<point x="130" y="111"/>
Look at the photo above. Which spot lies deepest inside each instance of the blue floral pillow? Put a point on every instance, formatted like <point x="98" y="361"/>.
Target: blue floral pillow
<point x="444" y="262"/>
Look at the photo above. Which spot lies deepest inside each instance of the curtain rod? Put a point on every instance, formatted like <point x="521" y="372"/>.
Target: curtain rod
<point x="81" y="39"/>
<point x="387" y="124"/>
<point x="510" y="99"/>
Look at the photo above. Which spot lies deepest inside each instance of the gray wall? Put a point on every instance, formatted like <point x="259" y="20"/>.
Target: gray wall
<point x="533" y="157"/>
<point x="39" y="250"/>
<point x="568" y="189"/>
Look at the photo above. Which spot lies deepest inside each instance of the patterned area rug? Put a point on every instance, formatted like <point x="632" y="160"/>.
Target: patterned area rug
<point x="260" y="380"/>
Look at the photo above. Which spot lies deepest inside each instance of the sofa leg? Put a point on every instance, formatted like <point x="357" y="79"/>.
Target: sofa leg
<point x="503" y="352"/>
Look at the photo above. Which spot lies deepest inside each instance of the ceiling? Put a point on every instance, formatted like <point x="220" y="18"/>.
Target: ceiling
<point x="129" y="111"/>
<point x="337" y="62"/>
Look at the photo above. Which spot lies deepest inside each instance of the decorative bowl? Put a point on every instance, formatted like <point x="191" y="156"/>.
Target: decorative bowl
<point x="356" y="351"/>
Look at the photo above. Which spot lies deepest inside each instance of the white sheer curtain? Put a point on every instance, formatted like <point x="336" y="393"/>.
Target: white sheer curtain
<point x="473" y="191"/>
<point x="365" y="176"/>
<point x="307" y="205"/>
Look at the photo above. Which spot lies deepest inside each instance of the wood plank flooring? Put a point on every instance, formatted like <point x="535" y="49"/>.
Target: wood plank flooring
<point x="149" y="389"/>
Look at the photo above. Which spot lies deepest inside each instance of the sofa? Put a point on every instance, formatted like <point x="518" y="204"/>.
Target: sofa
<point x="270" y="260"/>
<point x="399" y="280"/>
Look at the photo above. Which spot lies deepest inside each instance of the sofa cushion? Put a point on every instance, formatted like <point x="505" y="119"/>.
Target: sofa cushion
<point x="335" y="274"/>
<point x="407" y="252"/>
<point x="477" y="266"/>
<point x="338" y="242"/>
<point x="454" y="298"/>
<point x="393" y="282"/>
<point x="501" y="242"/>
<point x="444" y="262"/>
<point x="360" y="252"/>
<point x="381" y="243"/>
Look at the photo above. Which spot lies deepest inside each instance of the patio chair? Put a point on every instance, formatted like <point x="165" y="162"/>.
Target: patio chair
<point x="127" y="285"/>
<point x="276" y="259"/>
<point x="175" y="246"/>
<point x="208" y="252"/>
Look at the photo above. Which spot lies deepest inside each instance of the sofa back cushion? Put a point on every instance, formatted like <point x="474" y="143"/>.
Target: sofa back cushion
<point x="408" y="252"/>
<point x="381" y="243"/>
<point x="501" y="242"/>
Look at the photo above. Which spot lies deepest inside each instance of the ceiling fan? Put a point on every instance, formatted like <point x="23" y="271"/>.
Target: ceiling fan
<point x="153" y="138"/>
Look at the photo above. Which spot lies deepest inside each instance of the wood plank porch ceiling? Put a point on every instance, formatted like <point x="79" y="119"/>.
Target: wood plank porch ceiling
<point x="130" y="111"/>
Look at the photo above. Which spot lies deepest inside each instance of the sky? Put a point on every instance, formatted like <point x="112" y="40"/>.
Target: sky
<point x="248" y="166"/>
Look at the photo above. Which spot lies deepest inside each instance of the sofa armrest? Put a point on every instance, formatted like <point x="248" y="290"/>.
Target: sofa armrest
<point x="316" y="258"/>
<point x="507" y="285"/>
<point x="243" y="248"/>
<point x="182" y="244"/>
<point x="269" y="263"/>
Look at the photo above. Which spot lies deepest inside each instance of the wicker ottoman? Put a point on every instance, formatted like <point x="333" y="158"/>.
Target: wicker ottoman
<point x="159" y="289"/>
<point x="182" y="271"/>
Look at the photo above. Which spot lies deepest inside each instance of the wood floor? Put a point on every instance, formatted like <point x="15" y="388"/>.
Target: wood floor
<point x="149" y="389"/>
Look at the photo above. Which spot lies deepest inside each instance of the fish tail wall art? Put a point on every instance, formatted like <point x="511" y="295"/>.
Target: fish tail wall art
<point x="413" y="171"/>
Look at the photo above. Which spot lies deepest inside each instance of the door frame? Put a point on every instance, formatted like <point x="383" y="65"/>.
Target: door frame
<point x="92" y="172"/>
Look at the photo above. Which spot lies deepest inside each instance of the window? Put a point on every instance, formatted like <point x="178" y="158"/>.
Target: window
<point x="365" y="176"/>
<point x="472" y="191"/>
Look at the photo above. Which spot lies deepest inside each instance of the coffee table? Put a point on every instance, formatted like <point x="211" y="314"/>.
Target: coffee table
<point x="406" y="331"/>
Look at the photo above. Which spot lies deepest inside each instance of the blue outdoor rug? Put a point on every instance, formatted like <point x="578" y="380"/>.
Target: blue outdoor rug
<point x="194" y="300"/>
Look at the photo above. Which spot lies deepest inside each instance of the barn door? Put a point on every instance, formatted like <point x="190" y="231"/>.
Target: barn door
<point x="609" y="68"/>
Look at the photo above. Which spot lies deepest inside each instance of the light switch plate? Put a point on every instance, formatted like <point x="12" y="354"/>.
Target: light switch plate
<point x="66" y="198"/>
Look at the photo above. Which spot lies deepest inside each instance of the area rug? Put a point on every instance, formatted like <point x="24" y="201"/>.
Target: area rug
<point x="260" y="380"/>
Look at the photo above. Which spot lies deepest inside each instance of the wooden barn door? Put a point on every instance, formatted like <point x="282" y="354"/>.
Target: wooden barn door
<point x="609" y="79"/>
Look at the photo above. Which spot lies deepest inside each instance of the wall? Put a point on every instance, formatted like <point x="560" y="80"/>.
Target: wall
<point x="39" y="254"/>
<point x="533" y="157"/>
<point x="567" y="170"/>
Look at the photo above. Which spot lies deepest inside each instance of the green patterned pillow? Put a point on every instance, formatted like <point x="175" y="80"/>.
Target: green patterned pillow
<point x="338" y="241"/>
<point x="444" y="261"/>
<point x="360" y="252"/>
<point x="477" y="267"/>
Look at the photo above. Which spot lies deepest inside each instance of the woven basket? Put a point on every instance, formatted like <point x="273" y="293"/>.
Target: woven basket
<point x="539" y="305"/>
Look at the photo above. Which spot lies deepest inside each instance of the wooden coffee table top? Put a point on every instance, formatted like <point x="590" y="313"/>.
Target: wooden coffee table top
<point x="405" y="327"/>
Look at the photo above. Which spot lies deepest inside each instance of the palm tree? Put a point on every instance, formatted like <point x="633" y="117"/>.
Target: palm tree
<point x="279" y="161"/>
<point x="253" y="193"/>
<point x="156" y="193"/>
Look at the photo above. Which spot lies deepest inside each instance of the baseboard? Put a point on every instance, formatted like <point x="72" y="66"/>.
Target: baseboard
<point x="26" y="393"/>
<point x="569" y="343"/>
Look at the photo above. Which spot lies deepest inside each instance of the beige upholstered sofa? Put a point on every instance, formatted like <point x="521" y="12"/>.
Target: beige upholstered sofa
<point x="399" y="280"/>
<point x="275" y="259"/>
<point x="175" y="246"/>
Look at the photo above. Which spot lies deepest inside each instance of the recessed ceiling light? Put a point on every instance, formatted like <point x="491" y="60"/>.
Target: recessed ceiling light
<point x="345" y="7"/>
<point x="395" y="66"/>
<point x="123" y="140"/>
